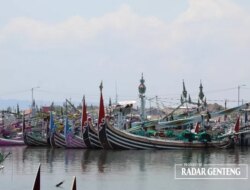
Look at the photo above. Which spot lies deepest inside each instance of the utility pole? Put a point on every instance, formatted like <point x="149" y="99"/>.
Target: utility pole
<point x="32" y="93"/>
<point x="33" y="106"/>
<point x="239" y="93"/>
<point x="116" y="95"/>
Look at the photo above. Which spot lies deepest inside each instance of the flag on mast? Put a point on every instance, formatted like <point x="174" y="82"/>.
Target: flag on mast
<point x="84" y="112"/>
<point x="101" y="107"/>
<point x="237" y="125"/>
<point x="197" y="127"/>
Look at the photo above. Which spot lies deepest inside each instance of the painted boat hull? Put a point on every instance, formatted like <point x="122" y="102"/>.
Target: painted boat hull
<point x="86" y="139"/>
<point x="113" y="138"/>
<point x="57" y="140"/>
<point x="32" y="140"/>
<point x="90" y="137"/>
<point x="11" y="142"/>
<point x="74" y="141"/>
<point x="94" y="138"/>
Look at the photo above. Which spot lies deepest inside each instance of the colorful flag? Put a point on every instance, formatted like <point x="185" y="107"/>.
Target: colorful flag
<point x="101" y="108"/>
<point x="84" y="112"/>
<point x="197" y="127"/>
<point x="237" y="125"/>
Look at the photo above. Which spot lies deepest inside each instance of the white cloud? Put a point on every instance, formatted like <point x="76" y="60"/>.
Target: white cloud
<point x="216" y="19"/>
<point x="123" y="23"/>
<point x="211" y="9"/>
<point x="209" y="19"/>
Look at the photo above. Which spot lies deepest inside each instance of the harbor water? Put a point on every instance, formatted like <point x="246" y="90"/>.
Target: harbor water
<point x="122" y="170"/>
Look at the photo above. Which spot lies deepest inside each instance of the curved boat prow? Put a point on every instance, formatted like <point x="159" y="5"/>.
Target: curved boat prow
<point x="74" y="183"/>
<point x="37" y="185"/>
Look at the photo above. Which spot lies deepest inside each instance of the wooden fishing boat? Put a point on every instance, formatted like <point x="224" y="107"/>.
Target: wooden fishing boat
<point x="93" y="136"/>
<point x="66" y="140"/>
<point x="85" y="125"/>
<point x="35" y="138"/>
<point x="74" y="136"/>
<point x="57" y="140"/>
<point x="113" y="138"/>
<point x="75" y="140"/>
<point x="90" y="132"/>
<point x="10" y="132"/>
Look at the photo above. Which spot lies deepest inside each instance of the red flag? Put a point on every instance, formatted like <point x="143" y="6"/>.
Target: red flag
<point x="237" y="125"/>
<point x="84" y="112"/>
<point x="101" y="108"/>
<point x="197" y="127"/>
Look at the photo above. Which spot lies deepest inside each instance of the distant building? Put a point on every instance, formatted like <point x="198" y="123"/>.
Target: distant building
<point x="45" y="109"/>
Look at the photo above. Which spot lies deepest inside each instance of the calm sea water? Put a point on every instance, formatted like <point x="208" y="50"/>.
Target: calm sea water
<point x="122" y="170"/>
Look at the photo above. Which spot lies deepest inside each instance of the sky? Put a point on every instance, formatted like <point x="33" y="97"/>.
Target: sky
<point x="66" y="48"/>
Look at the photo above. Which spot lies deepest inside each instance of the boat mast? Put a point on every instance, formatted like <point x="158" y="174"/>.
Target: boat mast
<point x="142" y="90"/>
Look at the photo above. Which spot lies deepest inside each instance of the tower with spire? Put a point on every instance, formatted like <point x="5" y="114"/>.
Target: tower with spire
<point x="201" y="94"/>
<point x="184" y="93"/>
<point x="142" y="90"/>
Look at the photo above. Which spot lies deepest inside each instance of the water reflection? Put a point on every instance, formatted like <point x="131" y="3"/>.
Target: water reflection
<point x="94" y="168"/>
<point x="104" y="161"/>
<point x="193" y="156"/>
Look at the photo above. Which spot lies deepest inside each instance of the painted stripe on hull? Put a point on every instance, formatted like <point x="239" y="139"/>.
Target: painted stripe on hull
<point x="59" y="140"/>
<point x="125" y="143"/>
<point x="94" y="139"/>
<point x="32" y="141"/>
<point x="132" y="145"/>
<point x="126" y="140"/>
<point x="103" y="138"/>
<point x="76" y="142"/>
<point x="86" y="137"/>
<point x="129" y="141"/>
